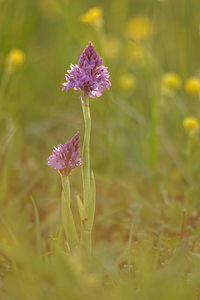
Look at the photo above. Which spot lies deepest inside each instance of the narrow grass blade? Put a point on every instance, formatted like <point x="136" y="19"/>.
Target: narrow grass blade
<point x="91" y="207"/>
<point x="81" y="209"/>
<point x="38" y="229"/>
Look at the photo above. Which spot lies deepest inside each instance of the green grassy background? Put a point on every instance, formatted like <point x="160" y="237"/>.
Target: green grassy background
<point x="146" y="234"/>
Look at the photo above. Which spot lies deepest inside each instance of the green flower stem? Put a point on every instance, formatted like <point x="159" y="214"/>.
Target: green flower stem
<point x="66" y="215"/>
<point x="86" y="151"/>
<point x="88" y="198"/>
<point x="153" y="138"/>
<point x="88" y="218"/>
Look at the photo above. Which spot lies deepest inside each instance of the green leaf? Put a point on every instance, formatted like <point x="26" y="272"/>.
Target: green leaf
<point x="67" y="217"/>
<point x="81" y="209"/>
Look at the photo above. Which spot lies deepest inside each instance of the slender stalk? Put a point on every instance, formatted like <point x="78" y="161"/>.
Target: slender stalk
<point x="153" y="138"/>
<point x="88" y="201"/>
<point x="87" y="224"/>
<point x="67" y="216"/>
<point x="86" y="151"/>
<point x="37" y="229"/>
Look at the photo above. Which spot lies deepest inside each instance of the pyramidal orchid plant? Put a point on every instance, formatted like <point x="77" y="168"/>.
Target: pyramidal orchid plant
<point x="64" y="158"/>
<point x="90" y="77"/>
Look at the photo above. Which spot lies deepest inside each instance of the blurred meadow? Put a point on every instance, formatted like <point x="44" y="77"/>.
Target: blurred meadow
<point x="145" y="149"/>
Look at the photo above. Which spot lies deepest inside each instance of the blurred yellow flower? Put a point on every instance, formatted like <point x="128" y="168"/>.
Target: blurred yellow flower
<point x="127" y="82"/>
<point x="191" y="124"/>
<point x="15" y="59"/>
<point x="93" y="16"/>
<point x="170" y="82"/>
<point x="135" y="51"/>
<point x="192" y="85"/>
<point x="139" y="27"/>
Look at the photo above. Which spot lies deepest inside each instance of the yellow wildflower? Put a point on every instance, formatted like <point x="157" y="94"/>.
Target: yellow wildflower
<point x="127" y="82"/>
<point x="191" y="124"/>
<point x="93" y="16"/>
<point x="170" y="82"/>
<point x="139" y="27"/>
<point x="15" y="59"/>
<point x="192" y="85"/>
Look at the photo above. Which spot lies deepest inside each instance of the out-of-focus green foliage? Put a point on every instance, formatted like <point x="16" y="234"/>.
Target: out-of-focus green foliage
<point x="146" y="236"/>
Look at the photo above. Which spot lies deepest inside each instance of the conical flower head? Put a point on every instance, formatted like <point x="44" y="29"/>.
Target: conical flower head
<point x="89" y="76"/>
<point x="64" y="158"/>
<point x="90" y="59"/>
